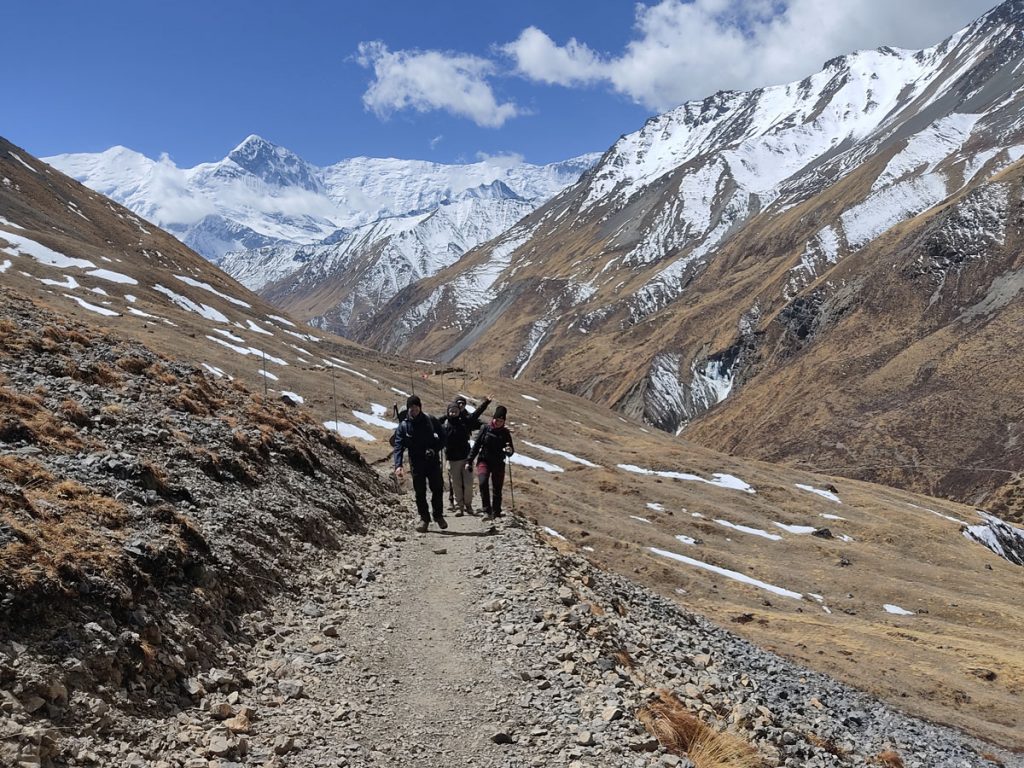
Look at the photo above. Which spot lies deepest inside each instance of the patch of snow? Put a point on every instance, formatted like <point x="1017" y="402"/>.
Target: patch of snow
<point x="721" y="479"/>
<point x="798" y="529"/>
<point x="824" y="494"/>
<point x="267" y="375"/>
<point x="831" y="517"/>
<point x="5" y="265"/>
<point x="214" y="291"/>
<point x="113" y="277"/>
<point x="563" y="454"/>
<point x="229" y="335"/>
<point x="257" y="328"/>
<point x="375" y="420"/>
<point x="68" y="282"/>
<point x="398" y="391"/>
<point x="130" y="298"/>
<point x="191" y="306"/>
<point x="248" y="351"/>
<point x="349" y="430"/>
<point x="297" y="398"/>
<point x="531" y="463"/>
<point x="530" y="398"/>
<point x="282" y="320"/>
<point x="641" y="519"/>
<point x="16" y="157"/>
<point x="734" y="575"/>
<point x="214" y="370"/>
<point x="1003" y="539"/>
<point x="751" y="531"/>
<point x="553" y="532"/>
<point x="377" y="409"/>
<point x="140" y="313"/>
<point x="895" y="609"/>
<point x="939" y="514"/>
<point x="7" y="223"/>
<point x="41" y="253"/>
<point x="92" y="307"/>
<point x="655" y="506"/>
<point x="686" y="540"/>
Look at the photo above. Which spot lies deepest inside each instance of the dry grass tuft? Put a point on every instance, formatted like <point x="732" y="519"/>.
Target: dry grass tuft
<point x="65" y="335"/>
<point x="890" y="759"/>
<point x="73" y="412"/>
<point x="59" y="528"/>
<point x="713" y="749"/>
<point x="681" y="732"/>
<point x="159" y="372"/>
<point x="132" y="364"/>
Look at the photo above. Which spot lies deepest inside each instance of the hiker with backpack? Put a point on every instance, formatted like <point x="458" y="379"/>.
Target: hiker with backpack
<point x="421" y="435"/>
<point x="459" y="425"/>
<point x="492" y="446"/>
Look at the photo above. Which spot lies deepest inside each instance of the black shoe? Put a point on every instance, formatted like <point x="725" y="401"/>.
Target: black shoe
<point x="499" y="513"/>
<point x="487" y="515"/>
<point x="441" y="523"/>
<point x="422" y="527"/>
<point x="460" y="513"/>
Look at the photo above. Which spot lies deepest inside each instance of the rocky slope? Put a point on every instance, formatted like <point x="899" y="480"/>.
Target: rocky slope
<point x="837" y="575"/>
<point x="764" y="267"/>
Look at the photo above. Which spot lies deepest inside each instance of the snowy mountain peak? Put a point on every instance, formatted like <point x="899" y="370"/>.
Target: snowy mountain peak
<point x="496" y="190"/>
<point x="275" y="165"/>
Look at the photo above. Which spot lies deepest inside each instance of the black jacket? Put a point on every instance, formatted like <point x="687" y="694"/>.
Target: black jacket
<point x="459" y="430"/>
<point x="490" y="445"/>
<point x="421" y="437"/>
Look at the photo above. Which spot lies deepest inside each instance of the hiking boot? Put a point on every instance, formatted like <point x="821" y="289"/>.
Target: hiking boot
<point x="470" y="512"/>
<point x="422" y="527"/>
<point x="460" y="513"/>
<point x="487" y="515"/>
<point x="441" y="523"/>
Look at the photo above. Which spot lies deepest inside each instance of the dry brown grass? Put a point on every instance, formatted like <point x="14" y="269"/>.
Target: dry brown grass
<point x="132" y="364"/>
<point x="65" y="335"/>
<point x="681" y="732"/>
<point x="61" y="528"/>
<point x="158" y="372"/>
<point x="73" y="412"/>
<point x="890" y="759"/>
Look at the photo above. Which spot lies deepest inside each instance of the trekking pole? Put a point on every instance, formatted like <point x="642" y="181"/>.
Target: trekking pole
<point x="512" y="486"/>
<point x="334" y="399"/>
<point x="264" y="352"/>
<point x="443" y="400"/>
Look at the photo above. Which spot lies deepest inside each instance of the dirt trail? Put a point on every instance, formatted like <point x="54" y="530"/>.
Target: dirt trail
<point x="414" y="686"/>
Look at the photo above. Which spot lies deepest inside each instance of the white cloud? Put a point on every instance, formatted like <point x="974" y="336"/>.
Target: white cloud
<point x="435" y="141"/>
<point x="687" y="50"/>
<point x="432" y="80"/>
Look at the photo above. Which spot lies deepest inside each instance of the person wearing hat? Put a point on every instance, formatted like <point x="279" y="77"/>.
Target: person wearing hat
<point x="459" y="426"/>
<point x="492" y="446"/>
<point x="421" y="436"/>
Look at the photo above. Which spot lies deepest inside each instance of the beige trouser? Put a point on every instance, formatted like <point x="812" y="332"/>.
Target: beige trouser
<point x="460" y="475"/>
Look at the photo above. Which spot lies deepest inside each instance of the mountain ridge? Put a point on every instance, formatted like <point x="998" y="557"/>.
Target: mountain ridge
<point x="706" y="236"/>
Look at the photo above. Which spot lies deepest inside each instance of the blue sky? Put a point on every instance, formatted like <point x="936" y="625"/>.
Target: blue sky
<point x="446" y="81"/>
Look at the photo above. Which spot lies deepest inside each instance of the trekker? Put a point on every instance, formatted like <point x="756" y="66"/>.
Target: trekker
<point x="492" y="445"/>
<point x="420" y="435"/>
<point x="459" y="426"/>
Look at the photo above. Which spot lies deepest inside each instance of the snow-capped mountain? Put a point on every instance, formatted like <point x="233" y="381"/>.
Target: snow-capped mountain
<point x="732" y="240"/>
<point x="343" y="280"/>
<point x="262" y="194"/>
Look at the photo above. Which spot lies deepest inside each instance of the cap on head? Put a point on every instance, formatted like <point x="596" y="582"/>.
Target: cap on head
<point x="413" y="400"/>
<point x="453" y="409"/>
<point x="501" y="412"/>
<point x="460" y="401"/>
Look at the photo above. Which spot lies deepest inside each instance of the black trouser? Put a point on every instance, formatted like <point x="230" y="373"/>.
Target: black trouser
<point x="430" y="473"/>
<point x="495" y="473"/>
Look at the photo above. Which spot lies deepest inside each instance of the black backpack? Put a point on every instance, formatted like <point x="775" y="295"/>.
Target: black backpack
<point x="400" y="416"/>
